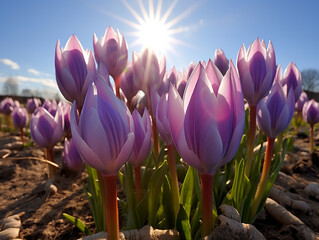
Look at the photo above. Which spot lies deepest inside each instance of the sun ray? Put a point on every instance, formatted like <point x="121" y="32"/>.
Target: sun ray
<point x="169" y="11"/>
<point x="181" y="16"/>
<point x="134" y="13"/>
<point x="146" y="17"/>
<point x="151" y="9"/>
<point x="124" y="20"/>
<point x="158" y="10"/>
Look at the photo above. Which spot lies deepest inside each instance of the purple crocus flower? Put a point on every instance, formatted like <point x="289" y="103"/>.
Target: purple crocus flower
<point x="72" y="157"/>
<point x="32" y="104"/>
<point x="66" y="108"/>
<point x="16" y="104"/>
<point x="104" y="132"/>
<point x="20" y="117"/>
<point x="221" y="62"/>
<point x="310" y="112"/>
<point x="190" y="70"/>
<point x="46" y="129"/>
<point x="111" y="51"/>
<point x="208" y="123"/>
<point x="162" y="122"/>
<point x="74" y="70"/>
<point x="257" y="69"/>
<point x="301" y="101"/>
<point x="170" y="78"/>
<point x="143" y="137"/>
<point x="148" y="70"/>
<point x="50" y="105"/>
<point x="275" y="111"/>
<point x="292" y="78"/>
<point x="127" y="83"/>
<point x="6" y="105"/>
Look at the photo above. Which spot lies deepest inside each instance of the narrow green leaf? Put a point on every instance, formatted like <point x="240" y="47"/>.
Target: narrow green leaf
<point x="154" y="200"/>
<point x="182" y="224"/>
<point x="77" y="223"/>
<point x="187" y="190"/>
<point x="168" y="203"/>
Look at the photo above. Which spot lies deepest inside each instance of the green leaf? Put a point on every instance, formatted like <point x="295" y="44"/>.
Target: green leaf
<point x="195" y="222"/>
<point x="132" y="222"/>
<point x="141" y="210"/>
<point x="78" y="223"/>
<point x="182" y="224"/>
<point x="187" y="190"/>
<point x="154" y="200"/>
<point x="237" y="195"/>
<point x="168" y="203"/>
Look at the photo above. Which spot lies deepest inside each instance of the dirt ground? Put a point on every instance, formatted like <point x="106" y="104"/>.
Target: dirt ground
<point x="22" y="184"/>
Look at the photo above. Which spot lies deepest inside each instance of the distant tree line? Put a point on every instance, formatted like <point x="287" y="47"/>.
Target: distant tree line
<point x="11" y="88"/>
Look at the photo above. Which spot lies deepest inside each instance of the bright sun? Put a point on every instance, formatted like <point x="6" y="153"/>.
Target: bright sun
<point x="154" y="34"/>
<point x="153" y="30"/>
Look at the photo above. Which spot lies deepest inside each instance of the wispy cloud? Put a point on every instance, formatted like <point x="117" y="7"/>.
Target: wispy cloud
<point x="48" y="82"/>
<point x="37" y="73"/>
<point x="13" y="65"/>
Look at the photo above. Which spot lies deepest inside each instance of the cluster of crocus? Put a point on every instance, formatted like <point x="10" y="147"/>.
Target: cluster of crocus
<point x="211" y="113"/>
<point x="200" y="113"/>
<point x="256" y="68"/>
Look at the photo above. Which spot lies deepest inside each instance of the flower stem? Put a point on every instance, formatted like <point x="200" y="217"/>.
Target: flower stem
<point x="154" y="128"/>
<point x="117" y="86"/>
<point x="251" y="139"/>
<point x="207" y="203"/>
<point x="138" y="184"/>
<point x="22" y="135"/>
<point x="263" y="179"/>
<point x="174" y="180"/>
<point x="48" y="152"/>
<point x="112" y="218"/>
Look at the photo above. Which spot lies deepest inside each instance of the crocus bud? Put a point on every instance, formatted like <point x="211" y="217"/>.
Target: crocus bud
<point x="221" y="62"/>
<point x="66" y="108"/>
<point x="148" y="70"/>
<point x="127" y="83"/>
<point x="72" y="157"/>
<point x="32" y="104"/>
<point x="143" y="137"/>
<point x="190" y="70"/>
<point x="46" y="129"/>
<point x="310" y="112"/>
<point x="74" y="70"/>
<point x="162" y="122"/>
<point x="207" y="117"/>
<point x="257" y="69"/>
<point x="170" y="78"/>
<point x="292" y="78"/>
<point x="20" y="117"/>
<point x="104" y="132"/>
<point x="6" y="105"/>
<point x="16" y="104"/>
<point x="50" y="106"/>
<point x="111" y="51"/>
<point x="301" y="101"/>
<point x="275" y="111"/>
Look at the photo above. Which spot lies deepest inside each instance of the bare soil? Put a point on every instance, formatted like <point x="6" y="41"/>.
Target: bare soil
<point x="22" y="183"/>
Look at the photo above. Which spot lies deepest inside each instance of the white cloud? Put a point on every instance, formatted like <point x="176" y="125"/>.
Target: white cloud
<point x="13" y="65"/>
<point x="37" y="73"/>
<point x="47" y="82"/>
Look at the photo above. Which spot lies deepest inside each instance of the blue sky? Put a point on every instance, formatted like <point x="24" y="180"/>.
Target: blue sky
<point x="29" y="31"/>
